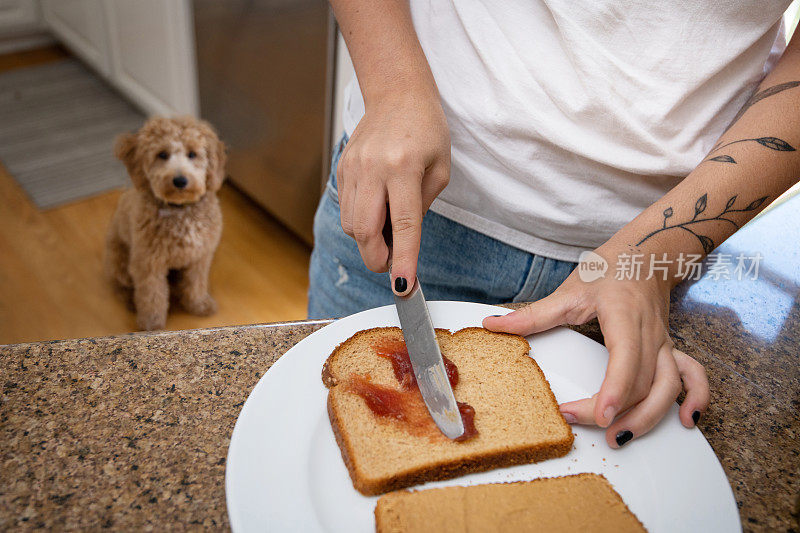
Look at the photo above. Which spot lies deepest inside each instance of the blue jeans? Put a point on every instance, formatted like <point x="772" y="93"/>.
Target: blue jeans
<point x="455" y="263"/>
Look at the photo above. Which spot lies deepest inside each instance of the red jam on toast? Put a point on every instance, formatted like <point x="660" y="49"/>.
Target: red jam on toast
<point x="405" y="405"/>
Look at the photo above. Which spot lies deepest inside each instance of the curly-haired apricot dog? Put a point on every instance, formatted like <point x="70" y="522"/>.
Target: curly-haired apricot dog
<point x="171" y="220"/>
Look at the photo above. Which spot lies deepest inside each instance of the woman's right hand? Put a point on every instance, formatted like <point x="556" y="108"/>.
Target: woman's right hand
<point x="399" y="154"/>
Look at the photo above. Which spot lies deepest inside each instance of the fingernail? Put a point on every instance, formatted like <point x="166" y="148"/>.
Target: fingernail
<point x="569" y="417"/>
<point x="400" y="285"/>
<point x="696" y="417"/>
<point x="623" y="437"/>
<point x="609" y="413"/>
<point x="494" y="316"/>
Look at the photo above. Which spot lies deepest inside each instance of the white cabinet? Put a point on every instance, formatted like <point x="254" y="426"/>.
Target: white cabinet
<point x="17" y="15"/>
<point x="152" y="53"/>
<point x="80" y="24"/>
<point x="22" y="26"/>
<point x="145" y="48"/>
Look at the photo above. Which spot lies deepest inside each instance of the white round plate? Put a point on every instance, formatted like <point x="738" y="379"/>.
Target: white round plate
<point x="285" y="473"/>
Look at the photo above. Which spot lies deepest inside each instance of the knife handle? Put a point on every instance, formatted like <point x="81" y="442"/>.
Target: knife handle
<point x="387" y="228"/>
<point x="387" y="236"/>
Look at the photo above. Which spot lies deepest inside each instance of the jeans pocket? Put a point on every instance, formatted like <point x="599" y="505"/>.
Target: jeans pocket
<point x="331" y="191"/>
<point x="545" y="275"/>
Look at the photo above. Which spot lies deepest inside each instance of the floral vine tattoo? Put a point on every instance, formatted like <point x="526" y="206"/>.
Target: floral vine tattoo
<point x="773" y="143"/>
<point x="699" y="208"/>
<point x="760" y="95"/>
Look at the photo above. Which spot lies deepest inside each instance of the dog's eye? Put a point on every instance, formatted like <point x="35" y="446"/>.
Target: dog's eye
<point x="163" y="155"/>
<point x="192" y="154"/>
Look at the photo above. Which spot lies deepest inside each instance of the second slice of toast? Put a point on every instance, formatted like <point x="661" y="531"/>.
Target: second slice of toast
<point x="570" y="504"/>
<point x="516" y="414"/>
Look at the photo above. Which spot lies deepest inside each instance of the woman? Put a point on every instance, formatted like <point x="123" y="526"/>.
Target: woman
<point x="502" y="140"/>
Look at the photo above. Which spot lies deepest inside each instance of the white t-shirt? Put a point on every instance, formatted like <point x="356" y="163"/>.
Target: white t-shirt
<point x="569" y="117"/>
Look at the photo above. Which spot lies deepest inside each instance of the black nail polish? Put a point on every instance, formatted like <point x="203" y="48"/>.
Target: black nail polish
<point x="494" y="316"/>
<point x="623" y="437"/>
<point x="696" y="417"/>
<point x="400" y="285"/>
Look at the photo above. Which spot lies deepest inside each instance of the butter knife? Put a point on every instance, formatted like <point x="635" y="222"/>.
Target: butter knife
<point x="426" y="360"/>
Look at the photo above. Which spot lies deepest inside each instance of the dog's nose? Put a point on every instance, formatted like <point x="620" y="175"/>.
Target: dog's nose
<point x="180" y="181"/>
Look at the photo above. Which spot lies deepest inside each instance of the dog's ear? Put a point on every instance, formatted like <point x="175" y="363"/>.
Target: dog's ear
<point x="217" y="157"/>
<point x="125" y="149"/>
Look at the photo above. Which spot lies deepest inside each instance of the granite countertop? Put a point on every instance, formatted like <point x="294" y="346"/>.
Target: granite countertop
<point x="131" y="432"/>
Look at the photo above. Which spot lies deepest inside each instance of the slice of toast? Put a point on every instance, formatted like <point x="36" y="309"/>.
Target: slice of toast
<point x="578" y="503"/>
<point x="516" y="414"/>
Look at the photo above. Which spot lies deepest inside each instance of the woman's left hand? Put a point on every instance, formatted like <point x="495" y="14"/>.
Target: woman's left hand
<point x="645" y="373"/>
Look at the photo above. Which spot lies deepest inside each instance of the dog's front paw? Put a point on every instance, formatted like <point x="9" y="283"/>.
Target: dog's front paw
<point x="202" y="307"/>
<point x="150" y="322"/>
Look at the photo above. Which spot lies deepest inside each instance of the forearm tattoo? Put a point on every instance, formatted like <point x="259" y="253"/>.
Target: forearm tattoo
<point x="773" y="143"/>
<point x="760" y="95"/>
<point x="694" y="225"/>
<point x="691" y="225"/>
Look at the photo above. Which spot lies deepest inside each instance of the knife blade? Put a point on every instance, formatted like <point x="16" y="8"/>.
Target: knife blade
<point x="426" y="360"/>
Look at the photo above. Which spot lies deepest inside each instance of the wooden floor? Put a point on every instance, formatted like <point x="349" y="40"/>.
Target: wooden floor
<point x="28" y="58"/>
<point x="51" y="279"/>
